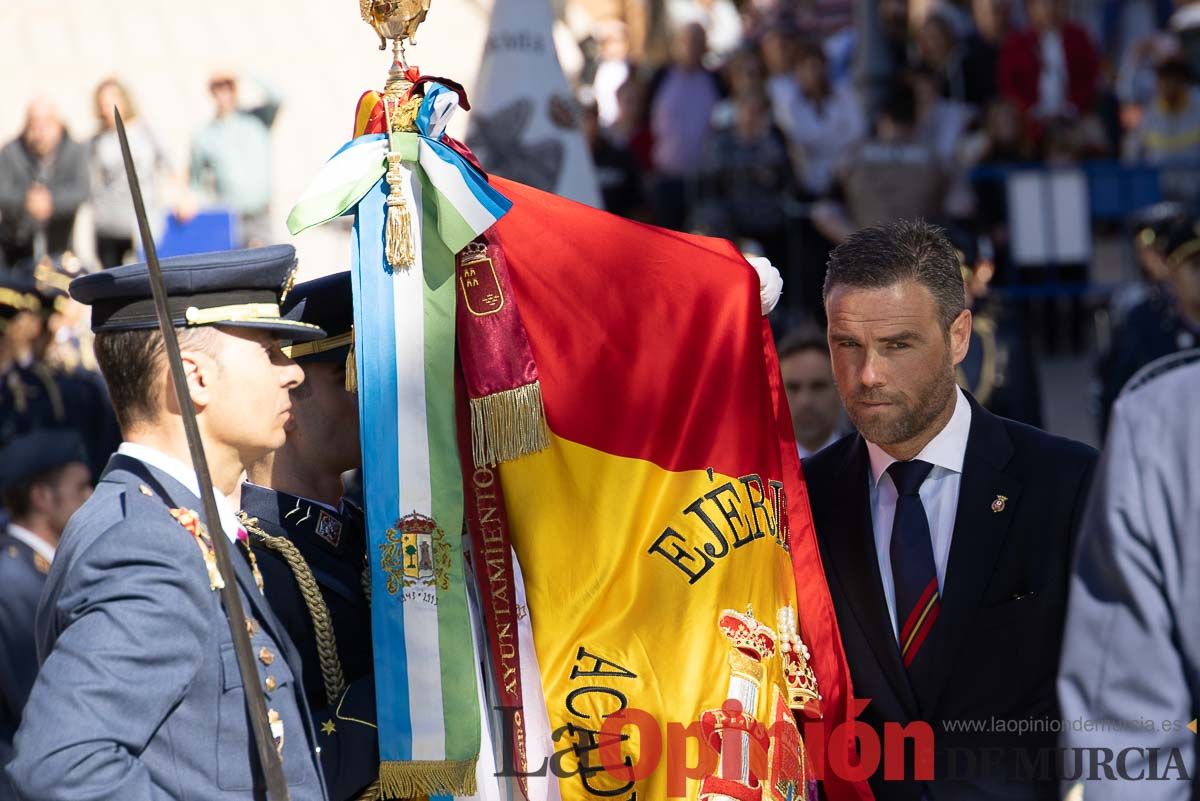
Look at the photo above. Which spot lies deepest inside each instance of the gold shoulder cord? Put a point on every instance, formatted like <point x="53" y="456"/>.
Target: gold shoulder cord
<point x="331" y="665"/>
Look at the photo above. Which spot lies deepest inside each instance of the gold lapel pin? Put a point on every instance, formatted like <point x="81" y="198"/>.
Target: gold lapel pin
<point x="998" y="504"/>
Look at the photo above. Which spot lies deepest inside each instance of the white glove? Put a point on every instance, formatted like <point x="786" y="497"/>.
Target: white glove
<point x="770" y="282"/>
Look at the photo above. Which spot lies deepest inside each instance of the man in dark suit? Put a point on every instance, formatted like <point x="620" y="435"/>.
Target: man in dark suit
<point x="946" y="531"/>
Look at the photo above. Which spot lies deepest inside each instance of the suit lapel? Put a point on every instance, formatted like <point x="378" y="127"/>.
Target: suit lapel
<point x="851" y="545"/>
<point x="979" y="536"/>
<point x="175" y="495"/>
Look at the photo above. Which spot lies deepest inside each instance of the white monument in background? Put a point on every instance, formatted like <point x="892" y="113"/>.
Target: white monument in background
<point x="524" y="122"/>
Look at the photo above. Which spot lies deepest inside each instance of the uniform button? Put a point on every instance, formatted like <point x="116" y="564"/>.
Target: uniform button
<point x="251" y="626"/>
<point x="271" y="684"/>
<point x="265" y="656"/>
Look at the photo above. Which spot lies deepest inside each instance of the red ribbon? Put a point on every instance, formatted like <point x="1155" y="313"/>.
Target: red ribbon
<point x="493" y="345"/>
<point x="491" y="559"/>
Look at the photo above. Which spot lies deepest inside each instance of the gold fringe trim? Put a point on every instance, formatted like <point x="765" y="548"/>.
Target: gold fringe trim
<point x="400" y="247"/>
<point x="351" y="370"/>
<point x="507" y="425"/>
<point x="412" y="779"/>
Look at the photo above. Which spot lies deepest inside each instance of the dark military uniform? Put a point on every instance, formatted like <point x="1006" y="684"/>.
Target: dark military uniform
<point x="23" y="570"/>
<point x="1152" y="329"/>
<point x="313" y="557"/>
<point x="37" y="396"/>
<point x="44" y="395"/>
<point x="999" y="369"/>
<point x="22" y="575"/>
<point x="1155" y="327"/>
<point x="322" y="549"/>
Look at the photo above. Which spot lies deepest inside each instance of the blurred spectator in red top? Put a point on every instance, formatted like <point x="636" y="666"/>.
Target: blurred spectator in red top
<point x="1049" y="69"/>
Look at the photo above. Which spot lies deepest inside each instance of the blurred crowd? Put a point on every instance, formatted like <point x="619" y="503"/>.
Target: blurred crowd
<point x="785" y="125"/>
<point x="47" y="175"/>
<point x="48" y="374"/>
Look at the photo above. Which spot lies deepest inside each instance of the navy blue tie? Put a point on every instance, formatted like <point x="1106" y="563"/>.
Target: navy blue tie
<point x="913" y="572"/>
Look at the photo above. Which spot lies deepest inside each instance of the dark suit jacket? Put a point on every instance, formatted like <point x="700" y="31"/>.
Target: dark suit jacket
<point x="1003" y="603"/>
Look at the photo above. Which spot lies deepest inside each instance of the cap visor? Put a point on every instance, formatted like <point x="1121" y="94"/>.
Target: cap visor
<point x="286" y="329"/>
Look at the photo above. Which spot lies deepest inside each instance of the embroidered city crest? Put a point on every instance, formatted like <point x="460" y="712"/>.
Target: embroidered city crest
<point x="329" y="528"/>
<point x="478" y="281"/>
<point x="415" y="554"/>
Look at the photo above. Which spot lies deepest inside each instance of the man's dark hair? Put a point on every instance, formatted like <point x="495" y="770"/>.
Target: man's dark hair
<point x="18" y="498"/>
<point x="802" y="340"/>
<point x="907" y="250"/>
<point x="132" y="361"/>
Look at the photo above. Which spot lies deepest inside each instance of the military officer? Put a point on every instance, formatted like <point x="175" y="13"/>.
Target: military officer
<point x="139" y="695"/>
<point x="1132" y="645"/>
<point x="999" y="369"/>
<point x="37" y="391"/>
<point x="43" y="480"/>
<point x="25" y="404"/>
<point x="1163" y="323"/>
<point x="311" y="547"/>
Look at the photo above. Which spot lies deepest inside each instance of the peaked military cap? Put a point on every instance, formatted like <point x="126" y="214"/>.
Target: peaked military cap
<point x="241" y="288"/>
<point x="37" y="452"/>
<point x="326" y="302"/>
<point x="18" y="293"/>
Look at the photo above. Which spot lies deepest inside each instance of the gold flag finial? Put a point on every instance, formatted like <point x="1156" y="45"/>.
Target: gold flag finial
<point x="394" y="19"/>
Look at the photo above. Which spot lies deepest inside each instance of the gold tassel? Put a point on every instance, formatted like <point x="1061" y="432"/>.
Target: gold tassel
<point x="412" y="779"/>
<point x="351" y="370"/>
<point x="507" y="425"/>
<point x="400" y="248"/>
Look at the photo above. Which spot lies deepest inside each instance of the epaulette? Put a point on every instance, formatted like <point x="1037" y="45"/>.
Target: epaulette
<point x="40" y="563"/>
<point x="1160" y="367"/>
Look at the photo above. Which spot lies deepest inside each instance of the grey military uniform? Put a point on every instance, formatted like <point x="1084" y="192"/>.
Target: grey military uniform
<point x="139" y="696"/>
<point x="1131" y="657"/>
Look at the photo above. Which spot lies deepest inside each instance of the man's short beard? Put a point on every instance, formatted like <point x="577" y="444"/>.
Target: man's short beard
<point x="927" y="406"/>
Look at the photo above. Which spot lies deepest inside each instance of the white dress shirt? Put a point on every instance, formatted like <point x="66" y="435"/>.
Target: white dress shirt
<point x="186" y="476"/>
<point x="39" y="545"/>
<point x="939" y="496"/>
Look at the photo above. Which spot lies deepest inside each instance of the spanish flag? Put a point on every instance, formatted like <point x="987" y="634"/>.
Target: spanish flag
<point x="621" y="394"/>
<point x="664" y="534"/>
